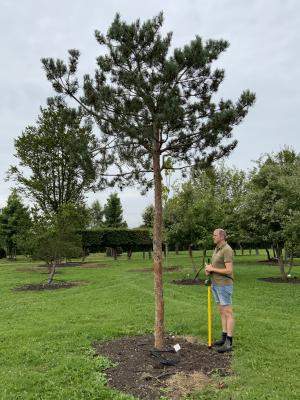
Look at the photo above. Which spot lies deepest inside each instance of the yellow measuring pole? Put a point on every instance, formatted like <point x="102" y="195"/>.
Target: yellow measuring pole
<point x="209" y="316"/>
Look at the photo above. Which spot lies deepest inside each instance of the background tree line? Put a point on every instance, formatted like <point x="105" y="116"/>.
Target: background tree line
<point x="258" y="209"/>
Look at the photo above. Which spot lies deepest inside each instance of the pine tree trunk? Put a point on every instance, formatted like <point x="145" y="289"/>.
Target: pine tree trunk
<point x="157" y="247"/>
<point x="268" y="254"/>
<point x="176" y="249"/>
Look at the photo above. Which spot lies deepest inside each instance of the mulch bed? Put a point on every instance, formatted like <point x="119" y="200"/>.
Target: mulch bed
<point x="294" y="280"/>
<point x="188" y="281"/>
<point x="70" y="264"/>
<point x="146" y="269"/>
<point x="94" y="265"/>
<point x="142" y="371"/>
<point x="271" y="260"/>
<point x="46" y="286"/>
<point x="65" y="264"/>
<point x="43" y="269"/>
<point x="77" y="264"/>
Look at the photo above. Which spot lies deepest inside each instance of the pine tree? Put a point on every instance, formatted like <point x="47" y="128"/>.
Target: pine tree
<point x="113" y="212"/>
<point x="148" y="216"/>
<point x="15" y="222"/>
<point x="152" y="105"/>
<point x="96" y="213"/>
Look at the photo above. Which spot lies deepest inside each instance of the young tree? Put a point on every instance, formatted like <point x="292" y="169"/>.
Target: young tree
<point x="113" y="212"/>
<point x="57" y="238"/>
<point x="153" y="104"/>
<point x="59" y="153"/>
<point x="15" y="222"/>
<point x="96" y="214"/>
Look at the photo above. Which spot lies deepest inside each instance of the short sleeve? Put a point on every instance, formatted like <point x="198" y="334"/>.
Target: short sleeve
<point x="228" y="255"/>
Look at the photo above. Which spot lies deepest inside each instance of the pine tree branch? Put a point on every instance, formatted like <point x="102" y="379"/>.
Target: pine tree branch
<point x="127" y="173"/>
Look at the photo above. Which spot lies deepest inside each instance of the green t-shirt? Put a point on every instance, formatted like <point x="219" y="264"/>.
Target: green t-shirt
<point x="222" y="255"/>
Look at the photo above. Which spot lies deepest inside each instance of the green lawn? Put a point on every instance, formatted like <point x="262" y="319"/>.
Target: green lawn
<point x="45" y="337"/>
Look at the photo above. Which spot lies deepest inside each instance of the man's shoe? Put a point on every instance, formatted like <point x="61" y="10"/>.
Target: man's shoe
<point x="227" y="346"/>
<point x="219" y="342"/>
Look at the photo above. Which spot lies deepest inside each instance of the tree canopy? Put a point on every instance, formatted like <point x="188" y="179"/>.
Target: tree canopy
<point x="113" y="212"/>
<point x="272" y="201"/>
<point x="57" y="157"/>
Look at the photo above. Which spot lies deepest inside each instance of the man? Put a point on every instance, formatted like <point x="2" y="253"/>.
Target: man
<point x="221" y="270"/>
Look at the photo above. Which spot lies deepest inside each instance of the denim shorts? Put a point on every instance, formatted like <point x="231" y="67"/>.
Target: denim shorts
<point x="223" y="294"/>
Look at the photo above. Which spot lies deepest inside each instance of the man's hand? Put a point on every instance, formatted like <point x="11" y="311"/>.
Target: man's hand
<point x="208" y="268"/>
<point x="223" y="271"/>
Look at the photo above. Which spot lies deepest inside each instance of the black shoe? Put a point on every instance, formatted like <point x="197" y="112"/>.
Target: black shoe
<point x="227" y="346"/>
<point x="219" y="342"/>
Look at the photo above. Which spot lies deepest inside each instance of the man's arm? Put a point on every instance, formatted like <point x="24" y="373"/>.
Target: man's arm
<point x="223" y="271"/>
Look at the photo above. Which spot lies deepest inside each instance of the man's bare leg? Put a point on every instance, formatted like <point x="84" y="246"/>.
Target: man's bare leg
<point x="228" y="312"/>
<point x="223" y="318"/>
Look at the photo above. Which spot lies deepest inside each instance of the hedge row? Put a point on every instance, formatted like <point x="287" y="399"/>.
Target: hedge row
<point x="129" y="239"/>
<point x="140" y="240"/>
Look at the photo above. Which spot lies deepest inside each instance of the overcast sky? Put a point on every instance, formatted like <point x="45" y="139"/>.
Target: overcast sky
<point x="264" y="56"/>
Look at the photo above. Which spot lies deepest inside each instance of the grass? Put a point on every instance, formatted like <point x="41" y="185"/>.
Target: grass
<point x="45" y="337"/>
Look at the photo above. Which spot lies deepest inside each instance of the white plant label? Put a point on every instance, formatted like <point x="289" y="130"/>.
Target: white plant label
<point x="177" y="347"/>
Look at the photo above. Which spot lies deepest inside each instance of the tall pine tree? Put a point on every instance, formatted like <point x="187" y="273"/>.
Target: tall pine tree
<point x="154" y="104"/>
<point x="113" y="212"/>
